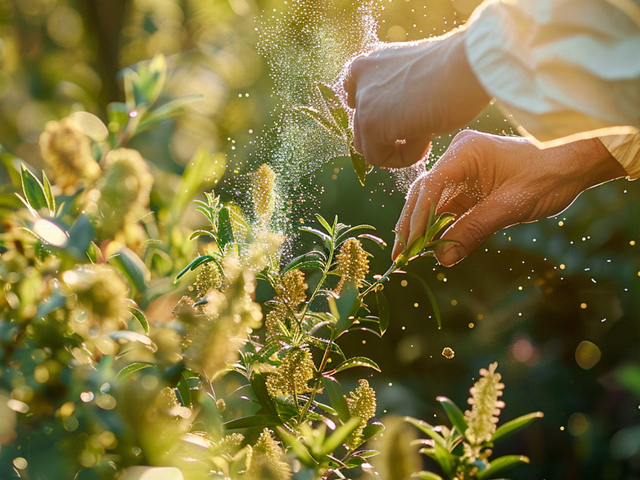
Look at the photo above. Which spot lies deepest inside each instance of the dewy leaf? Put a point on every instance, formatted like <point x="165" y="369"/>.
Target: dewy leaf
<point x="371" y="430"/>
<point x="253" y="421"/>
<point x="432" y="298"/>
<point x="51" y="201"/>
<point x="357" y="362"/>
<point x="328" y="124"/>
<point x="131" y="267"/>
<point x="225" y="230"/>
<point x="359" y="165"/>
<point x="33" y="189"/>
<point x="333" y="105"/>
<point x="184" y="391"/>
<point x="337" y="398"/>
<point x="129" y="369"/>
<point x="140" y="317"/>
<point x="383" y="312"/>
<point x="80" y="237"/>
<point x="515" y="425"/>
<point x="347" y="305"/>
<point x="500" y="464"/>
<point x="339" y="436"/>
<point x="456" y="417"/>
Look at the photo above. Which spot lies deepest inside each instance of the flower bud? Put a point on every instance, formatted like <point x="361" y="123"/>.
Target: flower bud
<point x="293" y="375"/>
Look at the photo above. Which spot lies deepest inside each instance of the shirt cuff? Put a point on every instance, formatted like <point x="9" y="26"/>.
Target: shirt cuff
<point x="626" y="150"/>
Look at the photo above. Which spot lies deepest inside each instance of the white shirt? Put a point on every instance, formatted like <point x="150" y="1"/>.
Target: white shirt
<point x="564" y="69"/>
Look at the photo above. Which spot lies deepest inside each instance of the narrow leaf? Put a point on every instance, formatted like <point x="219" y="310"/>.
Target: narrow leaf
<point x="339" y="436"/>
<point x="131" y="267"/>
<point x="184" y="391"/>
<point x="357" y="362"/>
<point x="260" y="389"/>
<point x="383" y="312"/>
<point x="51" y="201"/>
<point x="500" y="464"/>
<point x="33" y="189"/>
<point x="325" y="224"/>
<point x="456" y="417"/>
<point x="252" y="421"/>
<point x="129" y="369"/>
<point x="141" y="318"/>
<point x="359" y="165"/>
<point x="225" y="229"/>
<point x="300" y="451"/>
<point x="515" y="425"/>
<point x="347" y="305"/>
<point x="371" y="430"/>
<point x="432" y="299"/>
<point x="337" y="398"/>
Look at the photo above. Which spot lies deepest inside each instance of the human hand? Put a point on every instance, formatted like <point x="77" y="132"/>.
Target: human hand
<point x="404" y="94"/>
<point x="491" y="182"/>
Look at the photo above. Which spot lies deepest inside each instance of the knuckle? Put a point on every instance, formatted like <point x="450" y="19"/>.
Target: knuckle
<point x="475" y="232"/>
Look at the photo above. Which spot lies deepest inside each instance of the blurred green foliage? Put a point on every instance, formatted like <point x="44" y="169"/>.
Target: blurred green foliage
<point x="529" y="298"/>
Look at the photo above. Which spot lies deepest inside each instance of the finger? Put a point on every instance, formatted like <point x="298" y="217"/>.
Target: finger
<point x="399" y="154"/>
<point x="350" y="83"/>
<point x="470" y="230"/>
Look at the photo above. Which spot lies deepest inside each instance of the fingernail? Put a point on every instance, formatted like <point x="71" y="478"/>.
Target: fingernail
<point x="450" y="256"/>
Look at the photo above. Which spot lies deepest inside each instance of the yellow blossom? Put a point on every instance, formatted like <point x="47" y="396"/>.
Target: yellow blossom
<point x="293" y="375"/>
<point x="362" y="403"/>
<point x="291" y="289"/>
<point x="352" y="262"/>
<point x="485" y="408"/>
<point x="208" y="277"/>
<point x="67" y="152"/>
<point x="266" y="460"/>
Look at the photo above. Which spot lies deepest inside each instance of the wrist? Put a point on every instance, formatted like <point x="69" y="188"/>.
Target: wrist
<point x="591" y="162"/>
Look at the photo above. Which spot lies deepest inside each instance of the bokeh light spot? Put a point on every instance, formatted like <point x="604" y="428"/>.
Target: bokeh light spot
<point x="578" y="424"/>
<point x="587" y="354"/>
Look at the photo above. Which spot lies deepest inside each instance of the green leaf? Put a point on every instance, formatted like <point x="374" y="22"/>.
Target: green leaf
<point x="328" y="124"/>
<point x="456" y="417"/>
<point x="357" y="362"/>
<point x="500" y="464"/>
<point x="380" y="242"/>
<point x="346" y="306"/>
<point x="196" y="262"/>
<point x="339" y="436"/>
<point x="325" y="224"/>
<point x="383" y="312"/>
<point x="337" y="398"/>
<point x="33" y="189"/>
<point x="299" y="450"/>
<point x="515" y="425"/>
<point x="359" y="165"/>
<point x="371" y="430"/>
<point x="253" y="421"/>
<point x="323" y="236"/>
<point x="140" y="317"/>
<point x="201" y="233"/>
<point x="131" y="267"/>
<point x="165" y="112"/>
<point x="134" y="367"/>
<point x="306" y="260"/>
<point x="333" y="104"/>
<point x="184" y="391"/>
<point x="202" y="171"/>
<point x="80" y="237"/>
<point x="444" y="458"/>
<point x="428" y="429"/>
<point x="426" y="475"/>
<point x="432" y="298"/>
<point x="260" y="389"/>
<point x="51" y="201"/>
<point x="225" y="230"/>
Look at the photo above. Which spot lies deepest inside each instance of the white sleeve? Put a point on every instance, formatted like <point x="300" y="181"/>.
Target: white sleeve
<point x="560" y="67"/>
<point x="625" y="149"/>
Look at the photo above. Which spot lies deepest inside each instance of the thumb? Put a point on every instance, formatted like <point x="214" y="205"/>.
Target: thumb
<point x="473" y="228"/>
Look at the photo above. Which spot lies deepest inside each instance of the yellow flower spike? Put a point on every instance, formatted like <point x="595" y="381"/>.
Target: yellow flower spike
<point x="266" y="460"/>
<point x="293" y="375"/>
<point x="208" y="277"/>
<point x="362" y="403"/>
<point x="264" y="194"/>
<point x="67" y="152"/>
<point x="292" y="289"/>
<point x="485" y="408"/>
<point x="352" y="262"/>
